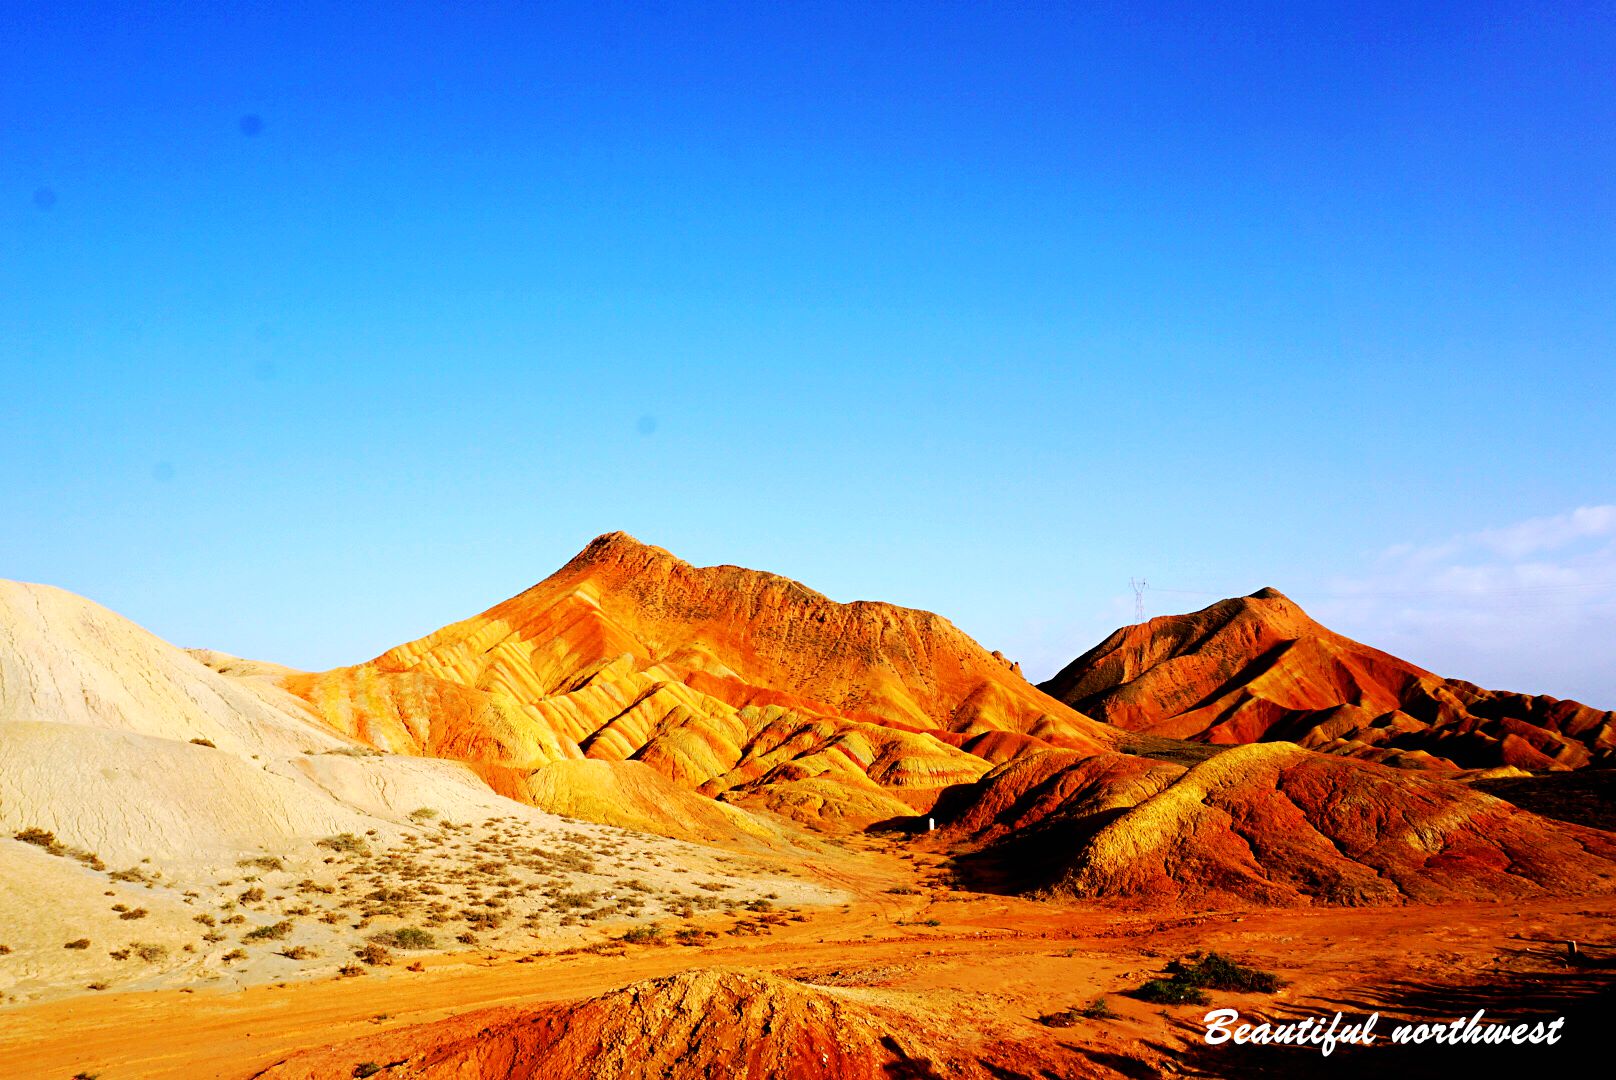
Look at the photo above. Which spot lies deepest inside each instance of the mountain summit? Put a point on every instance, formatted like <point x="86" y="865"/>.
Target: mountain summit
<point x="725" y="680"/>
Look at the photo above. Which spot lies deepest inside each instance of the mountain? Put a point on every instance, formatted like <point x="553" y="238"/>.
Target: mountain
<point x="142" y="790"/>
<point x="1269" y="824"/>
<point x="730" y="682"/>
<point x="1275" y="825"/>
<point x="1257" y="668"/>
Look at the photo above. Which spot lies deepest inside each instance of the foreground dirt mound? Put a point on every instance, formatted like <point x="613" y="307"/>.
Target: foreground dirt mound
<point x="1258" y="668"/>
<point x="690" y="1026"/>
<point x="722" y="679"/>
<point x="1275" y="824"/>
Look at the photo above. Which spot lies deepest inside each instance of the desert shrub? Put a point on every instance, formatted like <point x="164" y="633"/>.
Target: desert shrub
<point x="263" y="862"/>
<point x="234" y="920"/>
<point x="366" y="1068"/>
<point x="39" y="838"/>
<point x="251" y="896"/>
<point x="5" y="950"/>
<point x="904" y="890"/>
<point x="1098" y="1009"/>
<point x="137" y="913"/>
<point x="1215" y="971"/>
<point x="205" y="919"/>
<point x="347" y="842"/>
<point x="374" y="954"/>
<point x="78" y="943"/>
<point x="273" y="932"/>
<point x="483" y="920"/>
<point x="1189" y="979"/>
<point x="1171" y="992"/>
<point x="88" y="858"/>
<point x="408" y="937"/>
<point x="234" y="955"/>
<point x="152" y="953"/>
<point x="643" y="935"/>
<point x="425" y="813"/>
<point x="384" y="895"/>
<point x="467" y="938"/>
<point x="212" y="937"/>
<point x="298" y="952"/>
<point x="348" y="971"/>
<point x="355" y="751"/>
<point x="204" y="742"/>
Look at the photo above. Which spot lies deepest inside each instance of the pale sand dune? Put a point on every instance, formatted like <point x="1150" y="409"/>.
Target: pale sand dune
<point x="65" y="660"/>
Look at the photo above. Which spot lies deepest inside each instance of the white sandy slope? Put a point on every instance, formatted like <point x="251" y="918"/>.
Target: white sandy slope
<point x="97" y="719"/>
<point x="97" y="722"/>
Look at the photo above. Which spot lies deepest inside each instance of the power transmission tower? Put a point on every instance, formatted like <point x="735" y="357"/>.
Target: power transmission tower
<point x="1138" y="585"/>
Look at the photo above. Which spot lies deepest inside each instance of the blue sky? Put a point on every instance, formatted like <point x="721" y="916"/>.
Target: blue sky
<point x="321" y="328"/>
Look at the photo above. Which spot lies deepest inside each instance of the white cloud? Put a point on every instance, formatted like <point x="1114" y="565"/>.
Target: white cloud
<point x="1529" y="605"/>
<point x="1550" y="533"/>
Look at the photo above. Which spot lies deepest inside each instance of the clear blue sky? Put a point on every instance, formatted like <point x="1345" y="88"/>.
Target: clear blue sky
<point x="320" y="328"/>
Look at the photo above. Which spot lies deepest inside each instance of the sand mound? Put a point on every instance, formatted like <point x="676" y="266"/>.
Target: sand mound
<point x="1274" y="824"/>
<point x="683" y="1027"/>
<point x="726" y="681"/>
<point x="1258" y="668"/>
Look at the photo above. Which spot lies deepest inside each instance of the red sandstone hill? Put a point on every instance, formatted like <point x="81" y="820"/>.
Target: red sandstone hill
<point x="1277" y="825"/>
<point x="691" y="1026"/>
<point x="1257" y="668"/>
<point x="1267" y="824"/>
<point x="728" y="681"/>
<point x="630" y="683"/>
